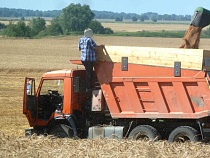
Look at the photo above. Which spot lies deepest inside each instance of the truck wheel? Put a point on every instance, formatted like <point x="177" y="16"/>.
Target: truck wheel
<point x="183" y="133"/>
<point x="143" y="132"/>
<point x="61" y="131"/>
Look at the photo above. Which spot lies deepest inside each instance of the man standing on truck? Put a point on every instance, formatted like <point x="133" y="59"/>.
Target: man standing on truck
<point x="88" y="56"/>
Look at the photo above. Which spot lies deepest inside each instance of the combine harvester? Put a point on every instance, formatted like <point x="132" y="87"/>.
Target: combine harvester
<point x="153" y="93"/>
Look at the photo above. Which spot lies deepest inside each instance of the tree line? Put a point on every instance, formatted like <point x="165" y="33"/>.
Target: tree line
<point x="15" y="13"/>
<point x="7" y="12"/>
<point x="74" y="18"/>
<point x="70" y="21"/>
<point x="141" y="17"/>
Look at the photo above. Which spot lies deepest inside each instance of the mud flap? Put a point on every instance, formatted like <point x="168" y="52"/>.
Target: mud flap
<point x="71" y="121"/>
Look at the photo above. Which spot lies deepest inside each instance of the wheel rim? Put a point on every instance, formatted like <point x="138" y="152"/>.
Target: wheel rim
<point x="181" y="138"/>
<point x="141" y="136"/>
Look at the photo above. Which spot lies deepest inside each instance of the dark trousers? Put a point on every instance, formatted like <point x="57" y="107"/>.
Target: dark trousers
<point x="89" y="74"/>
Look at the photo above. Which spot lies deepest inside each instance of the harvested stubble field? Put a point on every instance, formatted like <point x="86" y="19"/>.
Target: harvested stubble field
<point x="32" y="57"/>
<point x="134" y="27"/>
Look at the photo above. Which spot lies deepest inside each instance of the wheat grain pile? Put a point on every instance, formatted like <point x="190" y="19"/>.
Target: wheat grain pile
<point x="191" y="38"/>
<point x="22" y="58"/>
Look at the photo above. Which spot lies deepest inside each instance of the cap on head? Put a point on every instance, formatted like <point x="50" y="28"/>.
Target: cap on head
<point x="88" y="33"/>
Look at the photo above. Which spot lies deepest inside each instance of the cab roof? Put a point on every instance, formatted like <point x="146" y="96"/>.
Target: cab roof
<point x="58" y="73"/>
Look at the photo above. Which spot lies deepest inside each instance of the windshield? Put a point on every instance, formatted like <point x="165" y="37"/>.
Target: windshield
<point x="52" y="85"/>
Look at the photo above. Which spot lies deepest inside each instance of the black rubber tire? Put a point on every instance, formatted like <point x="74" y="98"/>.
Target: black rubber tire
<point x="144" y="132"/>
<point x="62" y="131"/>
<point x="183" y="134"/>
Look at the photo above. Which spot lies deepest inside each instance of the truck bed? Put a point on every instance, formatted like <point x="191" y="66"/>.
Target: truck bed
<point x="150" y="90"/>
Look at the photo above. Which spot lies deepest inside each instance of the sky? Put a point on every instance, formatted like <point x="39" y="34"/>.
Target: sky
<point x="178" y="7"/>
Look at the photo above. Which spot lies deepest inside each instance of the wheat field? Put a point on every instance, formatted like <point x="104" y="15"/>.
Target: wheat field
<point x="134" y="27"/>
<point x="22" y="58"/>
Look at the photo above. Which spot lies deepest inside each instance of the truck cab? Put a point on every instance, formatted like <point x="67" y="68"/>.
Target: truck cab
<point x="58" y="103"/>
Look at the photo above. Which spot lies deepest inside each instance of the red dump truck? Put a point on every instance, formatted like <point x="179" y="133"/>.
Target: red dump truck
<point x="153" y="93"/>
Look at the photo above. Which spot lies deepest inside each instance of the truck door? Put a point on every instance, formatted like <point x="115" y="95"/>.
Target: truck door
<point x="29" y="100"/>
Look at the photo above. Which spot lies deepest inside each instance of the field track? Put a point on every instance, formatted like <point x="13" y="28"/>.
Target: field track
<point x="32" y="57"/>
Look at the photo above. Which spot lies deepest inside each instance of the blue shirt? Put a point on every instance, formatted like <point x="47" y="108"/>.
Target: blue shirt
<point x="86" y="46"/>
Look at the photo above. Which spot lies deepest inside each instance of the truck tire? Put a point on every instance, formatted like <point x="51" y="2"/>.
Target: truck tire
<point x="143" y="132"/>
<point x="62" y="131"/>
<point x="183" y="133"/>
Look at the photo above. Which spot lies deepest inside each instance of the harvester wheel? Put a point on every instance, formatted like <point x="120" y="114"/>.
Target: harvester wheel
<point x="143" y="132"/>
<point x="62" y="131"/>
<point x="183" y="134"/>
